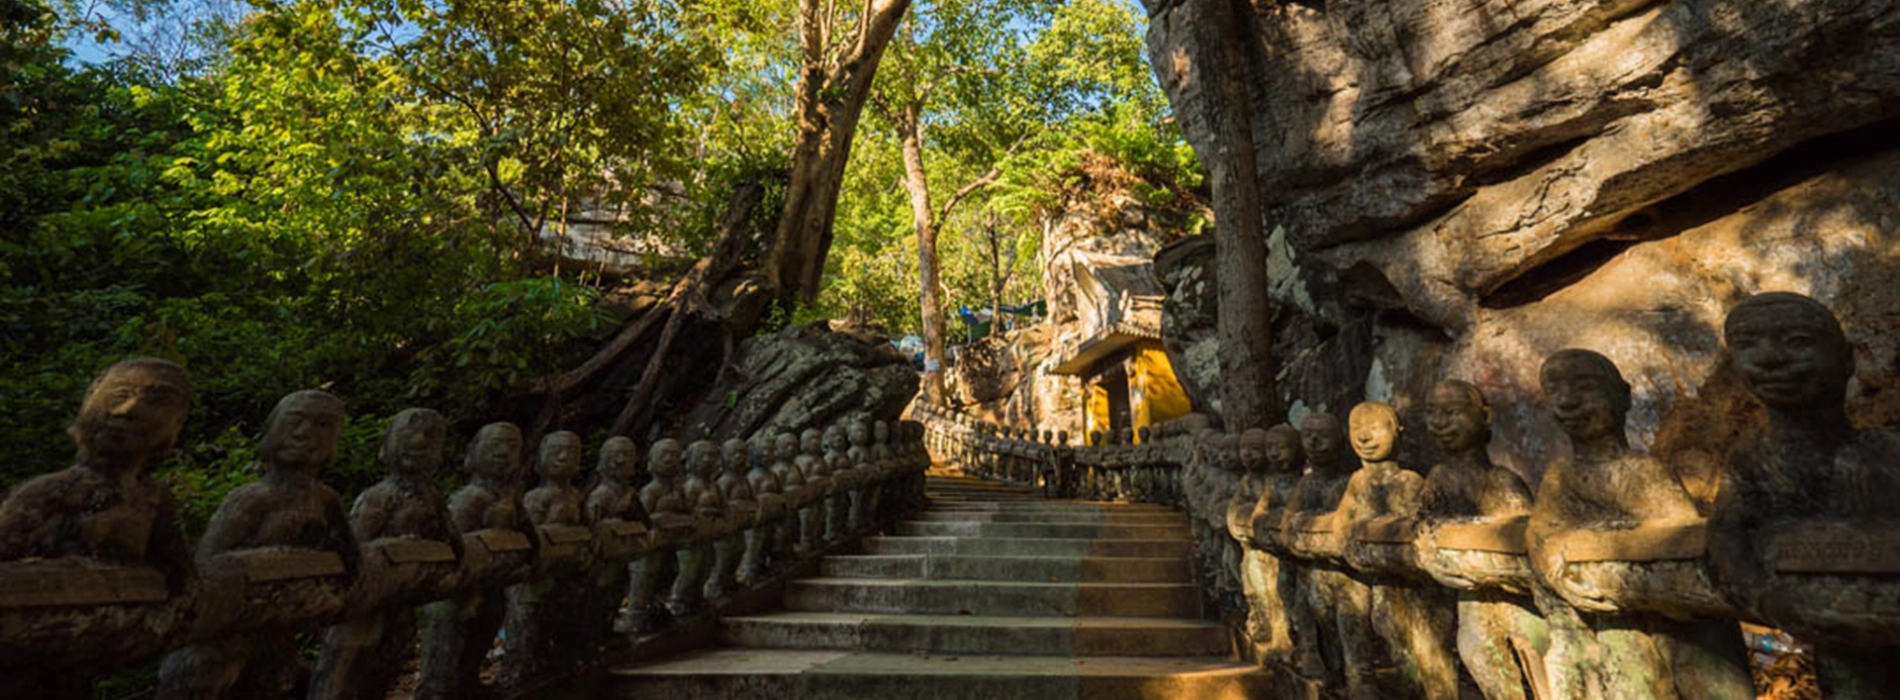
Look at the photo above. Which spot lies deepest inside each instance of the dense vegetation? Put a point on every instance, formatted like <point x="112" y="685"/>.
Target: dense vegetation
<point x="359" y="194"/>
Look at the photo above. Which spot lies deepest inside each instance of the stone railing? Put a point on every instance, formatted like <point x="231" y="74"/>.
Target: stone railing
<point x="98" y="576"/>
<point x="1349" y="574"/>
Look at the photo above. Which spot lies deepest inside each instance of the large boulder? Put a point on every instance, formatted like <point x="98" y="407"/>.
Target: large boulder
<point x="1459" y="188"/>
<point x="806" y="377"/>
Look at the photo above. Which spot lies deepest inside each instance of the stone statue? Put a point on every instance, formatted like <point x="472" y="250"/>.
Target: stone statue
<point x="881" y="457"/>
<point x="671" y="515"/>
<point x="1274" y="624"/>
<point x="761" y="550"/>
<point x="287" y="510"/>
<point x="743" y="508"/>
<point x="541" y="609"/>
<point x="1221" y="556"/>
<point x="1415" y="618"/>
<point x="457" y="634"/>
<point x="613" y="508"/>
<point x="837" y="458"/>
<point x="403" y="517"/>
<point x="103" y="511"/>
<point x="811" y="463"/>
<point x="1607" y="520"/>
<point x="1474" y="514"/>
<point x="861" y="465"/>
<point x="1804" y="528"/>
<point x="798" y="497"/>
<point x="711" y="513"/>
<point x="1338" y="604"/>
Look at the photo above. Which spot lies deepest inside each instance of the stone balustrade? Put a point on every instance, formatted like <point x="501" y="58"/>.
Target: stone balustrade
<point x="98" y="575"/>
<point x="1350" y="574"/>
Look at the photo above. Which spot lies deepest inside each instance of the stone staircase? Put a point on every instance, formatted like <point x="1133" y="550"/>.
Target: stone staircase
<point x="992" y="593"/>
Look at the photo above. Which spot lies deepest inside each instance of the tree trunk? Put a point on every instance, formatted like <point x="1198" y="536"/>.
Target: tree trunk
<point x="829" y="99"/>
<point x="1249" y="398"/>
<point x="924" y="221"/>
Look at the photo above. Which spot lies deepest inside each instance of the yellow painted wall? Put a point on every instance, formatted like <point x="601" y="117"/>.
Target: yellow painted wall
<point x="1157" y="396"/>
<point x="1096" y="417"/>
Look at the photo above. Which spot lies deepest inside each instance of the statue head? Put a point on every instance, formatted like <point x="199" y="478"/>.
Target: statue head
<point x="1458" y="417"/>
<point x="1320" y="439"/>
<point x="759" y="454"/>
<point x="131" y="414"/>
<point x="1587" y="394"/>
<point x="301" y="432"/>
<point x="835" y="440"/>
<point x="559" y="460"/>
<point x="1790" y="351"/>
<point x="1375" y="431"/>
<point x="1253" y="451"/>
<point x="811" y="442"/>
<point x="1127" y="437"/>
<point x="732" y="456"/>
<point x="495" y="453"/>
<point x="860" y="433"/>
<point x="1062" y="438"/>
<point x="881" y="432"/>
<point x="1146" y="434"/>
<point x="1283" y="450"/>
<point x="785" y="447"/>
<point x="619" y="460"/>
<point x="666" y="455"/>
<point x="703" y="458"/>
<point x="1095" y="438"/>
<point x="412" y="445"/>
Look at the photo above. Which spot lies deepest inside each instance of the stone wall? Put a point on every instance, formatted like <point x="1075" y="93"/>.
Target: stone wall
<point x="1457" y="188"/>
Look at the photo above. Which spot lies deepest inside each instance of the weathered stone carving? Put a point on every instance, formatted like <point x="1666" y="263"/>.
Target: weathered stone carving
<point x="761" y="550"/>
<point x="811" y="463"/>
<point x="861" y="466"/>
<point x="743" y="509"/>
<point x="1473" y="515"/>
<point x="1612" y="531"/>
<point x="410" y="544"/>
<point x="671" y="519"/>
<point x="1274" y="623"/>
<point x="540" y="625"/>
<point x="798" y="497"/>
<point x="1804" y="534"/>
<point x="287" y="536"/>
<point x="844" y="481"/>
<point x="457" y="633"/>
<point x="619" y="520"/>
<point x="100" y="534"/>
<point x="712" y="523"/>
<point x="1338" y="605"/>
<point x="1414" y="618"/>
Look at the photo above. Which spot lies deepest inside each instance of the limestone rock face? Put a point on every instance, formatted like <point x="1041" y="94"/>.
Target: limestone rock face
<point x="1457" y="188"/>
<point x="806" y="377"/>
<point x="1005" y="379"/>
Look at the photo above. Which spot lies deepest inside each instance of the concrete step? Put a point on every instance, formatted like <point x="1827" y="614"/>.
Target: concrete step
<point x="1026" y="546"/>
<point x="753" y="674"/>
<point x="1065" y="569"/>
<point x="1115" y="531"/>
<point x="965" y="634"/>
<point x="992" y="598"/>
<point x="1048" y="507"/>
<point x="1080" y="516"/>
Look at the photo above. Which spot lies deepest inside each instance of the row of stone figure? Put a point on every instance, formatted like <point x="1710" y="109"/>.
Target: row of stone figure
<point x="1608" y="580"/>
<point x="98" y="575"/>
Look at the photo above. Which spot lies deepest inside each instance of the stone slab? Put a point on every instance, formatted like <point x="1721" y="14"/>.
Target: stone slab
<point x="35" y="585"/>
<point x="269" y="565"/>
<point x="415" y="551"/>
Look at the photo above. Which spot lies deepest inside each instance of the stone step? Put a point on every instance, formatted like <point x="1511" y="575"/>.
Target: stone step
<point x="1038" y="569"/>
<point x="927" y="597"/>
<point x="1027" y="546"/>
<point x="1049" y="507"/>
<point x="930" y="528"/>
<point x="1080" y="516"/>
<point x="966" y="634"/>
<point x="756" y="674"/>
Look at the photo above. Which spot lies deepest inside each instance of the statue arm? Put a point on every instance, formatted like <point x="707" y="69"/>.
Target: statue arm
<point x="235" y="519"/>
<point x="25" y="516"/>
<point x="369" y="516"/>
<point x="450" y="530"/>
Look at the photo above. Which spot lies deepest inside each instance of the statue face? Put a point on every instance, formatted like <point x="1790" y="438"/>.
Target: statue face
<point x="810" y="442"/>
<point x="1455" y="419"/>
<point x="132" y="412"/>
<point x="881" y="432"/>
<point x="302" y="431"/>
<point x="1320" y="439"/>
<point x="497" y="451"/>
<point x="666" y="458"/>
<point x="560" y="456"/>
<point x="786" y="447"/>
<point x="705" y="459"/>
<point x="835" y="439"/>
<point x="619" y="459"/>
<point x="413" y="446"/>
<point x="1587" y="403"/>
<point x="1253" y="453"/>
<point x="1283" y="450"/>
<point x="860" y="435"/>
<point x="1375" y="430"/>
<point x="1791" y="354"/>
